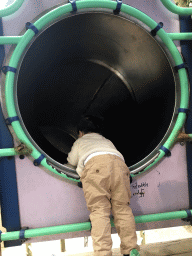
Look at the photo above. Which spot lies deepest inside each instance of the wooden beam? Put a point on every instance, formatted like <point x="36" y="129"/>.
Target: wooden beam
<point x="63" y="249"/>
<point x="142" y="234"/>
<point x="178" y="247"/>
<point x="181" y="247"/>
<point x="86" y="241"/>
<point x="28" y="250"/>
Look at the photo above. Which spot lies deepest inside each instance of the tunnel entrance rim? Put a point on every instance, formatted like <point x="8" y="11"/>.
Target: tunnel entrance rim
<point x="65" y="9"/>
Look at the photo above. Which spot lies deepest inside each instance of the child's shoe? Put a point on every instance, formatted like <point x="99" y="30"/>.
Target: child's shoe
<point x="134" y="252"/>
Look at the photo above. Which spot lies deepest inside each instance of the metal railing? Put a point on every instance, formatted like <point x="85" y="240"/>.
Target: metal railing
<point x="86" y="226"/>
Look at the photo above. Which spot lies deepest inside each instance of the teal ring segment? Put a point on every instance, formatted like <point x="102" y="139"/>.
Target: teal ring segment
<point x="59" y="11"/>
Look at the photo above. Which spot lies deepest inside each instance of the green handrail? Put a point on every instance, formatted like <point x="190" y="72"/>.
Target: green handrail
<point x="85" y="226"/>
<point x="180" y="36"/>
<point x="10" y="39"/>
<point x="11" y="8"/>
<point x="7" y="152"/>
<point x="176" y="9"/>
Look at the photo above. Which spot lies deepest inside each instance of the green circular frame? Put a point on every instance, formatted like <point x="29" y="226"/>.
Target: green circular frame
<point x="67" y="8"/>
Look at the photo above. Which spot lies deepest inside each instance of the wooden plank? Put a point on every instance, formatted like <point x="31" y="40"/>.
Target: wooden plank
<point x="181" y="247"/>
<point x="142" y="235"/>
<point x="62" y="242"/>
<point x="185" y="254"/>
<point x="177" y="247"/>
<point x="28" y="250"/>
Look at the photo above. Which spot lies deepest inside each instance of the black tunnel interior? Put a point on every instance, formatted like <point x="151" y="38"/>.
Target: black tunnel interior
<point x="96" y="63"/>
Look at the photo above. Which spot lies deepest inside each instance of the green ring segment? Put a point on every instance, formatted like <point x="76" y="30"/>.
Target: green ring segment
<point x="167" y="3"/>
<point x="67" y="8"/>
<point x="11" y="8"/>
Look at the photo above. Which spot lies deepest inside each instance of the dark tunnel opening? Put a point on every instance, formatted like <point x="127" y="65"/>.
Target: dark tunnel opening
<point x="85" y="64"/>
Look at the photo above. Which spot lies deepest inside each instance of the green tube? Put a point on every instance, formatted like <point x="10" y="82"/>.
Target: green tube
<point x="11" y="8"/>
<point x="161" y="216"/>
<point x="44" y="163"/>
<point x="180" y="36"/>
<point x="85" y="226"/>
<point x="47" y="231"/>
<point x="176" y="9"/>
<point x="10" y="39"/>
<point x="160" y="156"/>
<point x="7" y="152"/>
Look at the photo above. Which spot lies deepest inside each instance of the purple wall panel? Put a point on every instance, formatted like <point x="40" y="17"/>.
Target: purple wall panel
<point x="47" y="200"/>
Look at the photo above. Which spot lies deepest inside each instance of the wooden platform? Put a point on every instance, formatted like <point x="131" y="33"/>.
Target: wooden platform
<point x="181" y="247"/>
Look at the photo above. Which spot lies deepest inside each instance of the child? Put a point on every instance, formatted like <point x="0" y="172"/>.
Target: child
<point x="106" y="185"/>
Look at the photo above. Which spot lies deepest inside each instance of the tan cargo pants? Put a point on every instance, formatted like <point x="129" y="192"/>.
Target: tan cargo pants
<point x="106" y="186"/>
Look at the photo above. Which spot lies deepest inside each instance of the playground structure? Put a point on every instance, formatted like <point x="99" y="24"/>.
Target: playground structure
<point x="133" y="64"/>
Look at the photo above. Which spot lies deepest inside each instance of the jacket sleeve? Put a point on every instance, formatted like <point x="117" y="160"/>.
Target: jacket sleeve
<point x="73" y="156"/>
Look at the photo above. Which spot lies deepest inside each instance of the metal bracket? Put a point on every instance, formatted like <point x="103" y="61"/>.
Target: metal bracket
<point x="183" y="65"/>
<point x="31" y="26"/>
<point x="189" y="217"/>
<point x="10" y="120"/>
<point x="183" y="137"/>
<point x="166" y="150"/>
<point x="118" y="8"/>
<point x="22" y="235"/>
<point x="155" y="30"/>
<point x="5" y="69"/>
<point x="184" y="110"/>
<point x="37" y="161"/>
<point x="22" y="150"/>
<point x="74" y="5"/>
